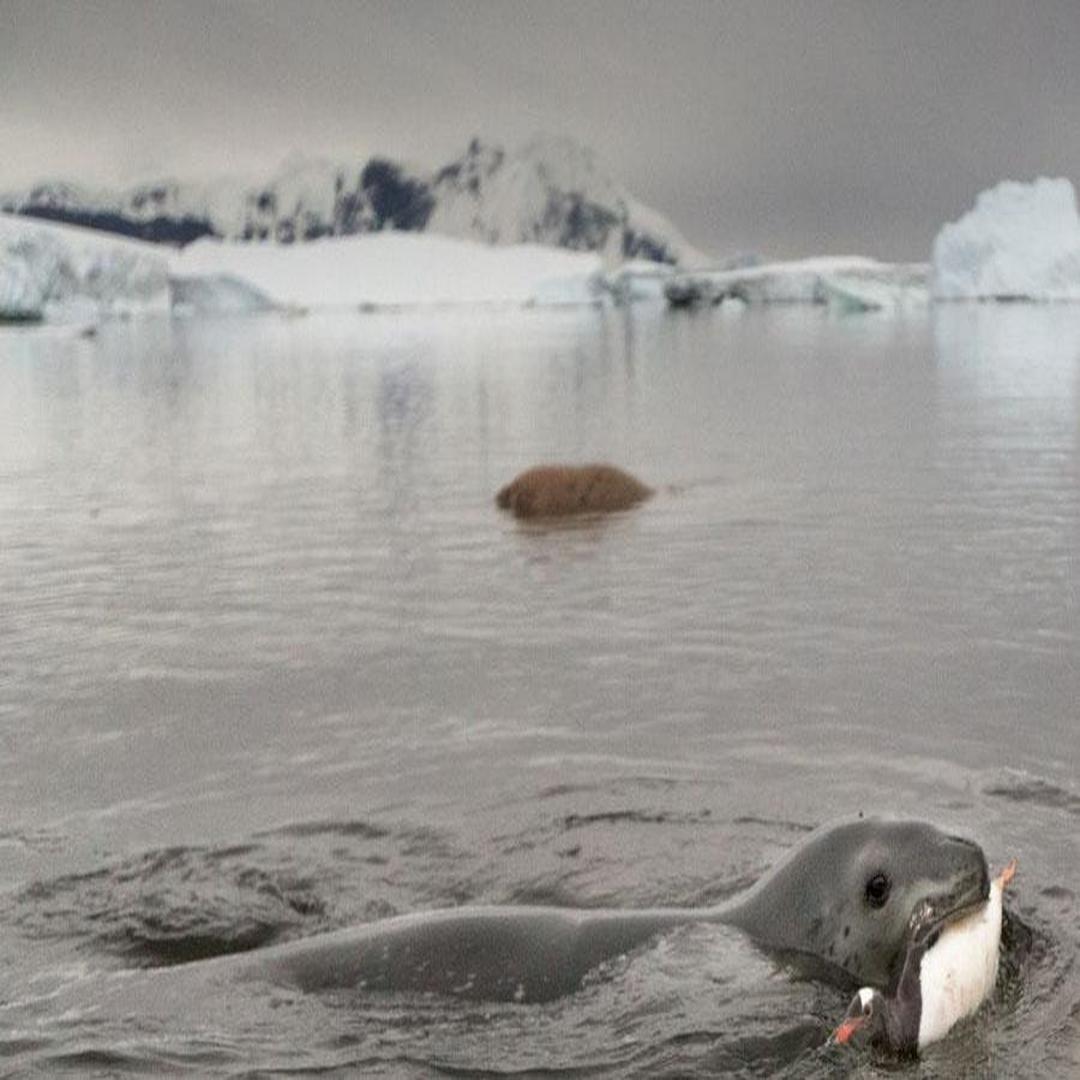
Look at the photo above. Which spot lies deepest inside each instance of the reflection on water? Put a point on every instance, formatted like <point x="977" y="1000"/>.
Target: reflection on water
<point x="254" y="583"/>
<point x="864" y="520"/>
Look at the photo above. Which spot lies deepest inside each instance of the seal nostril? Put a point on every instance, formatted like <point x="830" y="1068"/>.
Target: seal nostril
<point x="964" y="841"/>
<point x="973" y="848"/>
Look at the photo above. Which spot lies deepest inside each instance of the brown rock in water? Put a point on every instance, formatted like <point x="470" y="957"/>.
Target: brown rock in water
<point x="558" y="490"/>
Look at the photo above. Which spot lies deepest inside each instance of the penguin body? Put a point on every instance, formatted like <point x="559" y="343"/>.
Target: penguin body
<point x="949" y="971"/>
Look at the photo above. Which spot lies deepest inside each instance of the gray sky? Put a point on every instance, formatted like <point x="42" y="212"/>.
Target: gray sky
<point x="785" y="127"/>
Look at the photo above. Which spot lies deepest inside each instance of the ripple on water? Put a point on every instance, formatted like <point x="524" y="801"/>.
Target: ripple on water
<point x="1036" y="791"/>
<point x="218" y="533"/>
<point x="173" y="905"/>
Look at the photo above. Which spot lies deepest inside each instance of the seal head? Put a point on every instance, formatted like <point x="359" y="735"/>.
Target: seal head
<point x="851" y="894"/>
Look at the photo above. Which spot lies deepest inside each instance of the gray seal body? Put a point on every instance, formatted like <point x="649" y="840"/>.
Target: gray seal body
<point x="846" y="897"/>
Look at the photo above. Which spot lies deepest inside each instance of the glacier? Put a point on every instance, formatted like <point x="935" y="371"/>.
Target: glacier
<point x="393" y="269"/>
<point x="1021" y="241"/>
<point x="67" y="273"/>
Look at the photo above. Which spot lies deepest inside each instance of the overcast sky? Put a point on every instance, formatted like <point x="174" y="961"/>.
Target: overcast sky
<point x="784" y="127"/>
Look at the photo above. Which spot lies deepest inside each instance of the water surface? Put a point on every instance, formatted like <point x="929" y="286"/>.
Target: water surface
<point x="272" y="663"/>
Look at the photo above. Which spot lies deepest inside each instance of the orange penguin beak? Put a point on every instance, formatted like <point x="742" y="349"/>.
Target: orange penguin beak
<point x="845" y="1032"/>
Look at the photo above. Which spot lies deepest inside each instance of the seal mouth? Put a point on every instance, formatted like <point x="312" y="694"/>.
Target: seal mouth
<point x="969" y="895"/>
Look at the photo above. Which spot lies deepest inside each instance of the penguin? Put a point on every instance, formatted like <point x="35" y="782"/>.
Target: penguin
<point x="949" y="971"/>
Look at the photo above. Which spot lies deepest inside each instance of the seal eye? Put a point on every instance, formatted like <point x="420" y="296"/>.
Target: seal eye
<point x="877" y="890"/>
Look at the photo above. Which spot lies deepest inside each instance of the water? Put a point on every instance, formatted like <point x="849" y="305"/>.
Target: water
<point x="272" y="663"/>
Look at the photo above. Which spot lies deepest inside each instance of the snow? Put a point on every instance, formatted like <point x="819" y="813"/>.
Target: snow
<point x="218" y="201"/>
<point x="1020" y="241"/>
<point x="551" y="191"/>
<point x="497" y="196"/>
<point x="851" y="282"/>
<point x="397" y="268"/>
<point x="67" y="272"/>
<point x="300" y="195"/>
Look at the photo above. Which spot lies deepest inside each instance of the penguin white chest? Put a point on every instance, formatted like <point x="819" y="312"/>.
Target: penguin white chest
<point x="959" y="972"/>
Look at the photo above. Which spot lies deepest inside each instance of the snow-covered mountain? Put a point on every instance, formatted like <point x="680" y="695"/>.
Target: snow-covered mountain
<point x="550" y="192"/>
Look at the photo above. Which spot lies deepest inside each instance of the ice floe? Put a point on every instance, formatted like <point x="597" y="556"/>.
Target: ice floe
<point x="850" y="282"/>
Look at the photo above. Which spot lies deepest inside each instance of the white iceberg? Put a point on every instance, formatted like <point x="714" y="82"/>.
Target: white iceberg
<point x="850" y="282"/>
<point x="216" y="294"/>
<point x="1020" y="242"/>
<point x="395" y="269"/>
<point x="637" y="280"/>
<point x="890" y="287"/>
<point x="61" y="271"/>
<point x="22" y="291"/>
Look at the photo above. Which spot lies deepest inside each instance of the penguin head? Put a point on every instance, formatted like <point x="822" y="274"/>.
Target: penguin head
<point x="864" y="1019"/>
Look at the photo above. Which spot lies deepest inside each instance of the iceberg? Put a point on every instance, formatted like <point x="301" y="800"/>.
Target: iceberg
<point x="638" y="280"/>
<point x="392" y="269"/>
<point x="849" y="282"/>
<point x="896" y="286"/>
<point x="22" y="292"/>
<point x="216" y="294"/>
<point x="64" y="272"/>
<point x="1021" y="241"/>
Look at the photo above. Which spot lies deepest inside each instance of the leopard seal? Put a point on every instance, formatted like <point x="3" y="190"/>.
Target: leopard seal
<point x="845" y="896"/>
